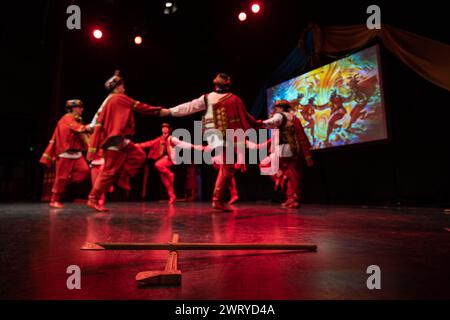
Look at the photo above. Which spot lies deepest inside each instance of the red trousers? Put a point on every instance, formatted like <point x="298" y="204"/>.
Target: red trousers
<point x="233" y="188"/>
<point x="95" y="171"/>
<point x="69" y="171"/>
<point x="123" y="163"/>
<point x="167" y="176"/>
<point x="231" y="185"/>
<point x="292" y="168"/>
<point x="223" y="181"/>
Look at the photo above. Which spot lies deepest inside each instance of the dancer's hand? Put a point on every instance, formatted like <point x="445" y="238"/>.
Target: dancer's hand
<point x="164" y="113"/>
<point x="207" y="148"/>
<point x="89" y="129"/>
<point x="198" y="148"/>
<point x="261" y="124"/>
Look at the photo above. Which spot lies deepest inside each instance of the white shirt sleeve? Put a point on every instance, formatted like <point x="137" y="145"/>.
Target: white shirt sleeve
<point x="274" y="122"/>
<point x="94" y="120"/>
<point x="251" y="145"/>
<point x="188" y="108"/>
<point x="183" y="144"/>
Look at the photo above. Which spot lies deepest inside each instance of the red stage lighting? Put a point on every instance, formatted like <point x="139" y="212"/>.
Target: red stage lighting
<point x="242" y="16"/>
<point x="98" y="34"/>
<point x="256" y="8"/>
<point x="138" y="40"/>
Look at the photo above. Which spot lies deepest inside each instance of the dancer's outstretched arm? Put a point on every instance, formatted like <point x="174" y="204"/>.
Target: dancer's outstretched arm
<point x="253" y="146"/>
<point x="185" y="145"/>
<point x="146" y="109"/>
<point x="274" y="122"/>
<point x="186" y="108"/>
<point x="147" y="144"/>
<point x="75" y="126"/>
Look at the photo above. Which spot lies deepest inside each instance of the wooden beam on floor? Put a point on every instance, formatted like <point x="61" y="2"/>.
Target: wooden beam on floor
<point x="197" y="246"/>
<point x="170" y="276"/>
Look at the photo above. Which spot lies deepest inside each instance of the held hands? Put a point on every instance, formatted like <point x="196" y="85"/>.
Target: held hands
<point x="207" y="148"/>
<point x="164" y="112"/>
<point x="261" y="124"/>
<point x="198" y="148"/>
<point x="89" y="129"/>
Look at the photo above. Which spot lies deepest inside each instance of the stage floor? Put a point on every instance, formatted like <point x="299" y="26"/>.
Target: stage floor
<point x="411" y="246"/>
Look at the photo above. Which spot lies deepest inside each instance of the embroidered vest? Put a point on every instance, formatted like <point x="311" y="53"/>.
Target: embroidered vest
<point x="288" y="135"/>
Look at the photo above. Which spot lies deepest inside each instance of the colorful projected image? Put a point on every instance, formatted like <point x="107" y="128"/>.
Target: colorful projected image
<point x="339" y="103"/>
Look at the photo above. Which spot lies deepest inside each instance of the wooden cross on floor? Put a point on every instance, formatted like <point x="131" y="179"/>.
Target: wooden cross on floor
<point x="171" y="275"/>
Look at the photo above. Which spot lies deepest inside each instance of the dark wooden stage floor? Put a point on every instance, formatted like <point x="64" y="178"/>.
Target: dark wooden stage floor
<point x="412" y="247"/>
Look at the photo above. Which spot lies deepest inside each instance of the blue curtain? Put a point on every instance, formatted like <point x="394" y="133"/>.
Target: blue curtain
<point x="292" y="66"/>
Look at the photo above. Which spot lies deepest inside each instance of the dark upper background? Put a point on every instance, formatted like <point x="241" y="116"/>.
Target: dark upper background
<point x="44" y="64"/>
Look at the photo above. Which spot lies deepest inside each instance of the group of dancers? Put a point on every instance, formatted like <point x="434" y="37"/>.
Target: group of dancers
<point x="114" y="158"/>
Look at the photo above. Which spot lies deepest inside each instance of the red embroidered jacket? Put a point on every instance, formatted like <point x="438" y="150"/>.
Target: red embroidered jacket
<point x="157" y="147"/>
<point x="117" y="120"/>
<point x="69" y="135"/>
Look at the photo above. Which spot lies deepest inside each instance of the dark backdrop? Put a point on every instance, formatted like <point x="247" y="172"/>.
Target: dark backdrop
<point x="45" y="64"/>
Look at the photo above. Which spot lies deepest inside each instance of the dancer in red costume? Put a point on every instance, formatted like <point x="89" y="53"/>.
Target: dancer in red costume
<point x="65" y="148"/>
<point x="96" y="167"/>
<point x="279" y="178"/>
<point x="291" y="145"/>
<point x="162" y="152"/>
<point x="222" y="110"/>
<point x="113" y="125"/>
<point x="265" y="166"/>
<point x="234" y="196"/>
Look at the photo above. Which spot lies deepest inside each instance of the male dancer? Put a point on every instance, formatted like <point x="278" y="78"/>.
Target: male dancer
<point x="234" y="195"/>
<point x="96" y="166"/>
<point x="222" y="110"/>
<point x="291" y="145"/>
<point x="65" y="147"/>
<point x="266" y="165"/>
<point x="114" y="123"/>
<point x="161" y="150"/>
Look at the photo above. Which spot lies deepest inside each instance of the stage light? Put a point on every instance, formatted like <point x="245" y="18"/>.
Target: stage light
<point x="170" y="8"/>
<point x="138" y="40"/>
<point x="256" y="8"/>
<point x="98" y="34"/>
<point x="242" y="16"/>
